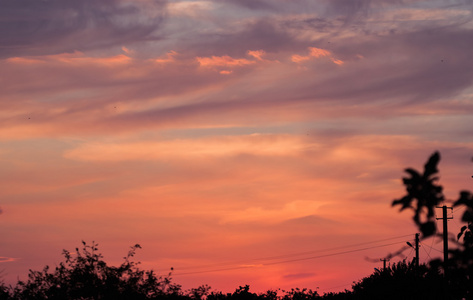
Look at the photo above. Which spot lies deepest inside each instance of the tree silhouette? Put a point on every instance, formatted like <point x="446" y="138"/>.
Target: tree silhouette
<point x="243" y="293"/>
<point x="423" y="196"/>
<point x="401" y="280"/>
<point x="85" y="275"/>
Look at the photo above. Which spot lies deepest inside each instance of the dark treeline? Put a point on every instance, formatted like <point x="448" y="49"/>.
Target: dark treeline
<point x="85" y="275"/>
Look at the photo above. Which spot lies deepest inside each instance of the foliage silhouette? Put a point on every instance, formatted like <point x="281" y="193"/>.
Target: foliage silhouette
<point x="4" y="292"/>
<point x="243" y="293"/>
<point x="423" y="196"/>
<point x="199" y="293"/>
<point x="85" y="275"/>
<point x="300" y="294"/>
<point x="401" y="280"/>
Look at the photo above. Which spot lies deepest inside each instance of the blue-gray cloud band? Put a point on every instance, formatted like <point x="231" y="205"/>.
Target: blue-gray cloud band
<point x="32" y="27"/>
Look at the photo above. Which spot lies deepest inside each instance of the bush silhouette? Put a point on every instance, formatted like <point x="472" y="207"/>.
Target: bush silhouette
<point x="85" y="275"/>
<point x="401" y="280"/>
<point x="243" y="293"/>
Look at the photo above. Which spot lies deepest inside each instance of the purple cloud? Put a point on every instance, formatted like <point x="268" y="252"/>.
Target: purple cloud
<point x="252" y="4"/>
<point x="30" y="27"/>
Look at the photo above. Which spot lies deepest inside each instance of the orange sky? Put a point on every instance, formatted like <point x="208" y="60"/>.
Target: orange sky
<point x="263" y="139"/>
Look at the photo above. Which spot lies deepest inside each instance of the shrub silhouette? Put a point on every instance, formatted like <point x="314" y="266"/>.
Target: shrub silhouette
<point x="243" y="293"/>
<point x="401" y="280"/>
<point x="85" y="275"/>
<point x="300" y="294"/>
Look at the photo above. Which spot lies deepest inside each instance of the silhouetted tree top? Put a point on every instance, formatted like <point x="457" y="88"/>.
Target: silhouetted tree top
<point x="423" y="194"/>
<point x="85" y="275"/>
<point x="400" y="280"/>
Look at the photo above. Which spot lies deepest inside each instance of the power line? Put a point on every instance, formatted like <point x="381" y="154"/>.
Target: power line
<point x="287" y="261"/>
<point x="457" y="209"/>
<point x="407" y="256"/>
<point x="432" y="248"/>
<point x="270" y="258"/>
<point x="428" y="253"/>
<point x="338" y="286"/>
<point x="431" y="245"/>
<point x="333" y="254"/>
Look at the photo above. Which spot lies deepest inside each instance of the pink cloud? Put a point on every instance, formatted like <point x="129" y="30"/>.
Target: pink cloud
<point x="258" y="54"/>
<point x="315" y="53"/>
<point x="223" y="61"/>
<point x="76" y="58"/>
<point x="168" y="58"/>
<point x="7" y="259"/>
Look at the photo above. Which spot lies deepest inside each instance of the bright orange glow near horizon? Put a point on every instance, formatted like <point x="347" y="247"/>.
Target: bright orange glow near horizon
<point x="238" y="142"/>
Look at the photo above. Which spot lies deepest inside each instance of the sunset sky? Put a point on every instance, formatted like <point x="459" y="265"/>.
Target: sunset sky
<point x="238" y="141"/>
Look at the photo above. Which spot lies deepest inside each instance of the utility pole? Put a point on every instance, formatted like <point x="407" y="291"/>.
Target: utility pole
<point x="384" y="263"/>
<point x="415" y="248"/>
<point x="445" y="237"/>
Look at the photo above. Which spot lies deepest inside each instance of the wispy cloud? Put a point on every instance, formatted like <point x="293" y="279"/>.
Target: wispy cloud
<point x="265" y="145"/>
<point x="7" y="259"/>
